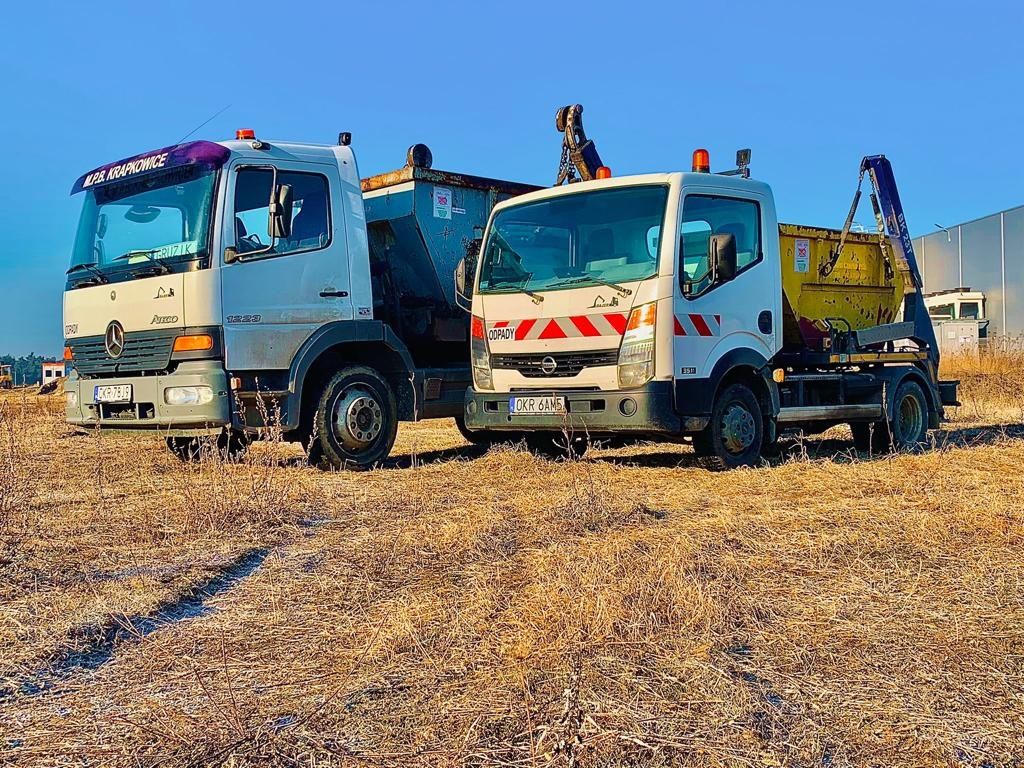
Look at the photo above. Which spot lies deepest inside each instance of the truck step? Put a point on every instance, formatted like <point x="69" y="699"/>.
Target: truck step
<point x="830" y="413"/>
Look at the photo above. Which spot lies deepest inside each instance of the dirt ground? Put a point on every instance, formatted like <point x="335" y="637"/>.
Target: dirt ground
<point x="469" y="607"/>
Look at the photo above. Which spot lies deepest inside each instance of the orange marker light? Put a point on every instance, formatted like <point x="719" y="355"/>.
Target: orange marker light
<point x="701" y="161"/>
<point x="199" y="343"/>
<point x="68" y="354"/>
<point x="245" y="134"/>
<point x="604" y="172"/>
<point x="477" y="328"/>
<point x="642" y="317"/>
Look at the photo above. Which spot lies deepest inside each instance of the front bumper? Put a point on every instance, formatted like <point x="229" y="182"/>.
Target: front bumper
<point x="147" y="409"/>
<point x="648" y="410"/>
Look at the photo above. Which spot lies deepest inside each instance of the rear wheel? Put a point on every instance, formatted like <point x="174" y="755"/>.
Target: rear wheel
<point x="356" y="420"/>
<point x="908" y="427"/>
<point x="736" y="432"/>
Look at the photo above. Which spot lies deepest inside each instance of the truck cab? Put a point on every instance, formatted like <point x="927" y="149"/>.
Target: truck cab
<point x="216" y="288"/>
<point x="596" y="290"/>
<point x="675" y="306"/>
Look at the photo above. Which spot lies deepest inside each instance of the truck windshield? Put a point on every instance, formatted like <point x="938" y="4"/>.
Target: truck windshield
<point x="163" y="219"/>
<point x="587" y="238"/>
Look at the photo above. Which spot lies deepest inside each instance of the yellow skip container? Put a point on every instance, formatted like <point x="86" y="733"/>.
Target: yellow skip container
<point x="864" y="287"/>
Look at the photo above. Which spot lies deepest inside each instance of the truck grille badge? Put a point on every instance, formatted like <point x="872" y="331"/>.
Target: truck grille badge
<point x="113" y="339"/>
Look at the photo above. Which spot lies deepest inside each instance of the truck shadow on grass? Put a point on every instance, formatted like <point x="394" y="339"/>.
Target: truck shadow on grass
<point x="105" y="640"/>
<point x="829" y="448"/>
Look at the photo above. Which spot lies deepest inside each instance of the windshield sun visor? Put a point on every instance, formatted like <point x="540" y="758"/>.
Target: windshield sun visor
<point x="206" y="155"/>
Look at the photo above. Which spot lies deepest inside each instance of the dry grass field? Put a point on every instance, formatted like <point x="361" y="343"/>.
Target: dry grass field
<point x="469" y="607"/>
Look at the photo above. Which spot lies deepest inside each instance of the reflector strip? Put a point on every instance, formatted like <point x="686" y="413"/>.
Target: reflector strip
<point x="695" y="324"/>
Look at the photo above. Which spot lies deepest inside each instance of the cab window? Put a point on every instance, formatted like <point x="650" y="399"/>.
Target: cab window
<point x="310" y="211"/>
<point x="706" y="215"/>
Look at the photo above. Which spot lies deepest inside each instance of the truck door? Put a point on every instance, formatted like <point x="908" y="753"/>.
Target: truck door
<point x="714" y="317"/>
<point x="279" y="291"/>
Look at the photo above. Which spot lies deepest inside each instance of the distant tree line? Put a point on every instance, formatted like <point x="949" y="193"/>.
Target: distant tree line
<point x="26" y="369"/>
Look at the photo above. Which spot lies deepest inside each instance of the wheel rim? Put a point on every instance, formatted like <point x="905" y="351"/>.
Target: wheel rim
<point x="357" y="418"/>
<point x="911" y="418"/>
<point x="738" y="429"/>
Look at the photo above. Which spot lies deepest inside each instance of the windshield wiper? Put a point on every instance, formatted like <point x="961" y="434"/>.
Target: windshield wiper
<point x="537" y="298"/>
<point x="91" y="267"/>
<point x="164" y="269"/>
<point x="621" y="289"/>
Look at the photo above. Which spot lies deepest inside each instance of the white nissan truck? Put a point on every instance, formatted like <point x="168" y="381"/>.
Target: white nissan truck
<point x="214" y="286"/>
<point x="674" y="306"/>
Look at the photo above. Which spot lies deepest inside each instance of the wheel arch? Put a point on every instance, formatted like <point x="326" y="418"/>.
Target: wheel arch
<point x="361" y="342"/>
<point x="697" y="397"/>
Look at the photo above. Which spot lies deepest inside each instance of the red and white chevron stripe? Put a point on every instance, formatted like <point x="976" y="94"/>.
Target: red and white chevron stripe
<point x="573" y="327"/>
<point x="695" y="324"/>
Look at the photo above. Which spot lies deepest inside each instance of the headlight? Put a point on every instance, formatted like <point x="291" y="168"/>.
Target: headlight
<point x="636" y="353"/>
<point x="188" y="395"/>
<point x="71" y="397"/>
<point x="480" y="356"/>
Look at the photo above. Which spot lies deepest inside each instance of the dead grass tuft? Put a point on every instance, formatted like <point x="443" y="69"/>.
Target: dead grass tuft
<point x="465" y="607"/>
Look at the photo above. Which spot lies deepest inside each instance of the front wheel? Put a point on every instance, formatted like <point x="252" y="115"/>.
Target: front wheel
<point x="736" y="432"/>
<point x="557" y="445"/>
<point x="230" y="445"/>
<point x="356" y="420"/>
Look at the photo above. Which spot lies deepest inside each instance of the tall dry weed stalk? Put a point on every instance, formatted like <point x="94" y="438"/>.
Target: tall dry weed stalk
<point x="15" y="484"/>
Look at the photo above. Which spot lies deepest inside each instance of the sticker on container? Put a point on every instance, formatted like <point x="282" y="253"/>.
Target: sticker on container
<point x="802" y="256"/>
<point x="442" y="203"/>
<point x="460" y="211"/>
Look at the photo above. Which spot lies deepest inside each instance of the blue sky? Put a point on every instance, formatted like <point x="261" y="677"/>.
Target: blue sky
<point x="810" y="87"/>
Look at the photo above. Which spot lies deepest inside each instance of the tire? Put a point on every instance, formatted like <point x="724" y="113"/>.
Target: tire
<point x="485" y="436"/>
<point x="355" y="422"/>
<point x="907" y="429"/>
<point x="230" y="445"/>
<point x="735" y="436"/>
<point x="552" y="445"/>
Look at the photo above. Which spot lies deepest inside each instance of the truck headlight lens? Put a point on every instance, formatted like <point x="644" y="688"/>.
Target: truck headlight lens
<point x="199" y="395"/>
<point x="71" y="397"/>
<point x="636" y="352"/>
<point x="480" y="356"/>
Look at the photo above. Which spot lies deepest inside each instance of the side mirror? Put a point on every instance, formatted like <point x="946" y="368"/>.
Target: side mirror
<point x="279" y="222"/>
<point x="462" y="298"/>
<point x="722" y="257"/>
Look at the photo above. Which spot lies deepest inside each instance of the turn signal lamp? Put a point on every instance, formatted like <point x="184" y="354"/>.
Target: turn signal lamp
<point x="68" y="354"/>
<point x="604" y="172"/>
<point x="199" y="343"/>
<point x="701" y="161"/>
<point x="477" y="328"/>
<point x="636" y="353"/>
<point x="245" y="134"/>
<point x="480" y="355"/>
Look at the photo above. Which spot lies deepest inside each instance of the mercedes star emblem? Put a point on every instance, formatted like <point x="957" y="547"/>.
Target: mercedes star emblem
<point x="113" y="339"/>
<point x="548" y="365"/>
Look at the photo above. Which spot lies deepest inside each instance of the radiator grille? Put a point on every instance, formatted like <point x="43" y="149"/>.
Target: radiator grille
<point x="143" y="351"/>
<point x="567" y="364"/>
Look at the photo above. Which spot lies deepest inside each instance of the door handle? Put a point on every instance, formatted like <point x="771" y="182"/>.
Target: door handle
<point x="333" y="294"/>
<point x="764" y="322"/>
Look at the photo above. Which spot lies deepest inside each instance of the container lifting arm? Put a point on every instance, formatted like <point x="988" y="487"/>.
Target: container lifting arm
<point x="579" y="155"/>
<point x="888" y="210"/>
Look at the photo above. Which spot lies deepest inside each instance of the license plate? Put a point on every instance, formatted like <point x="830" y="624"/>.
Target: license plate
<point x="113" y="393"/>
<point x="536" y="405"/>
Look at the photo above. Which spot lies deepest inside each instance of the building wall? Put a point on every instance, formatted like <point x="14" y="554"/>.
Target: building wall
<point x="986" y="254"/>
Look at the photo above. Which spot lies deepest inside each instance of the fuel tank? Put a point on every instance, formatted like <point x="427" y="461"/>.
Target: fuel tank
<point x="859" y="290"/>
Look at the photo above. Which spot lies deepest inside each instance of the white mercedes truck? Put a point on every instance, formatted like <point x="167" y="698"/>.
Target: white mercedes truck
<point x="216" y="286"/>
